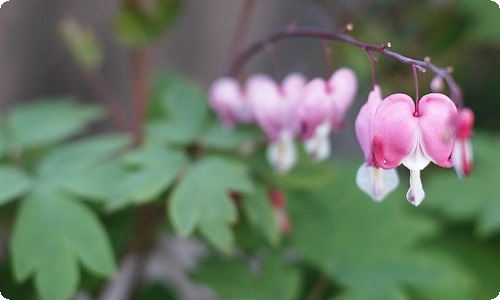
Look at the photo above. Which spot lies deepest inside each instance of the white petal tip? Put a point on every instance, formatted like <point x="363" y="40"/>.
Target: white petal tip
<point x="375" y="182"/>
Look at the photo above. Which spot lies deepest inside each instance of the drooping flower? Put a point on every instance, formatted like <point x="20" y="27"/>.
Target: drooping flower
<point x="227" y="98"/>
<point x="374" y="181"/>
<point x="274" y="109"/>
<point x="322" y="107"/>
<point x="413" y="134"/>
<point x="342" y="87"/>
<point x="462" y="154"/>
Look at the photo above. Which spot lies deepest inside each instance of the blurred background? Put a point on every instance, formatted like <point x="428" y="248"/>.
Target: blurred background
<point x="464" y="34"/>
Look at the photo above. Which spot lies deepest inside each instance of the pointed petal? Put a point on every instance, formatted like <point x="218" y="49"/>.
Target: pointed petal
<point x="265" y="100"/>
<point x="342" y="87"/>
<point x="376" y="182"/>
<point x="365" y="123"/>
<point x="435" y="111"/>
<point x="281" y="153"/>
<point x="396" y="131"/>
<point x="314" y="107"/>
<point x="318" y="146"/>
<point x="415" y="194"/>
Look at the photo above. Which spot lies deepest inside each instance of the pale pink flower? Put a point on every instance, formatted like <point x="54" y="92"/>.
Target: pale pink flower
<point x="413" y="135"/>
<point x="227" y="98"/>
<point x="274" y="109"/>
<point x="374" y="181"/>
<point x="342" y="87"/>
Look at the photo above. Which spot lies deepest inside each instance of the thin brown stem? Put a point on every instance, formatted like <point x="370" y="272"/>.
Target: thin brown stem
<point x="140" y="66"/>
<point x="241" y="28"/>
<point x="116" y="110"/>
<point x="293" y="32"/>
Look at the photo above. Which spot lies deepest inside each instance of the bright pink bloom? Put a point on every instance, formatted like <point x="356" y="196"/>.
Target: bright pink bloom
<point x="274" y="109"/>
<point x="462" y="149"/>
<point x="374" y="181"/>
<point x="413" y="135"/>
<point x="227" y="98"/>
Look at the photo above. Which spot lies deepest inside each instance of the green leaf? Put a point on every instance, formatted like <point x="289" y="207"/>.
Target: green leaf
<point x="82" y="43"/>
<point x="368" y="247"/>
<point x="13" y="183"/>
<point x="157" y="170"/>
<point x="475" y="197"/>
<point x="484" y="24"/>
<point x="260" y="213"/>
<point x="52" y="233"/>
<point x="220" y="138"/>
<point x="50" y="120"/>
<point x="138" y="26"/>
<point x="201" y="200"/>
<point x="67" y="160"/>
<point x="183" y="111"/>
<point x="238" y="280"/>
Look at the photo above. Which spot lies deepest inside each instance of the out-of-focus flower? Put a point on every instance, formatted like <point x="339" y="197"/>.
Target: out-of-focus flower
<point x="322" y="107"/>
<point x="227" y="98"/>
<point x="413" y="134"/>
<point x="462" y="154"/>
<point x="374" y="181"/>
<point x="274" y="109"/>
<point x="278" y="201"/>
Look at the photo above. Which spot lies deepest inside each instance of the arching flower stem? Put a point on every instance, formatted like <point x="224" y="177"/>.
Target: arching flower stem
<point x="294" y="32"/>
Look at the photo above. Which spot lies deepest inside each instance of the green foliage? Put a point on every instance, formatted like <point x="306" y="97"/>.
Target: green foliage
<point x="266" y="279"/>
<point x="155" y="170"/>
<point x="13" y="183"/>
<point x="52" y="233"/>
<point x="181" y="108"/>
<point x="82" y="43"/>
<point x="138" y="26"/>
<point x="202" y="200"/>
<point x="49" y="120"/>
<point x="368" y="247"/>
<point x="473" y="198"/>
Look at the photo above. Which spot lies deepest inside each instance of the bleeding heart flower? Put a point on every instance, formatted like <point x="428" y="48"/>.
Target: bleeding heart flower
<point x="227" y="98"/>
<point x="274" y="109"/>
<point x="413" y="134"/>
<point x="462" y="154"/>
<point x="322" y="108"/>
<point x="341" y="87"/>
<point x="374" y="181"/>
<point x="314" y="113"/>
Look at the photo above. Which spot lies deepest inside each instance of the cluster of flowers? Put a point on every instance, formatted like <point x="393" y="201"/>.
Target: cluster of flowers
<point x="391" y="132"/>
<point x="295" y="108"/>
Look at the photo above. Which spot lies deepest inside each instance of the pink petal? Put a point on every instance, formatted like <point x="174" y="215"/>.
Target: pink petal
<point x="396" y="131"/>
<point x="342" y="87"/>
<point x="435" y="111"/>
<point x="265" y="100"/>
<point x="226" y="98"/>
<point x="365" y="123"/>
<point x="292" y="88"/>
<point x="314" y="107"/>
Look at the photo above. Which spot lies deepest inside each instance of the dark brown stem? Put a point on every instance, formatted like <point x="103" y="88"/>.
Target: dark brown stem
<point x="291" y="32"/>
<point x="140" y="66"/>
<point x="116" y="110"/>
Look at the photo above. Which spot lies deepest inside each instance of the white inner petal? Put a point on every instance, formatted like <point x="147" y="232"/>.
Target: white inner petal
<point x="376" y="182"/>
<point x="415" y="193"/>
<point x="282" y="154"/>
<point x="318" y="146"/>
<point x="417" y="160"/>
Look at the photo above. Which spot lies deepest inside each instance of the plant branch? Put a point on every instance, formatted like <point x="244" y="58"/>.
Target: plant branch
<point x="140" y="66"/>
<point x="116" y="111"/>
<point x="242" y="27"/>
<point x="293" y="32"/>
